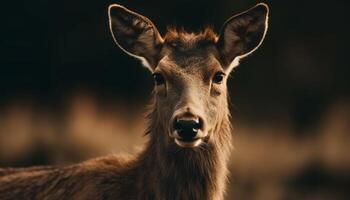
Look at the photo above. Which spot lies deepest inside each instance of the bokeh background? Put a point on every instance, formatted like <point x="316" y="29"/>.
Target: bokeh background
<point x="67" y="93"/>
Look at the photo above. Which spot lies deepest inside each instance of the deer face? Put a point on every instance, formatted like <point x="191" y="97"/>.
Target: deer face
<point x="190" y="94"/>
<point x="190" y="70"/>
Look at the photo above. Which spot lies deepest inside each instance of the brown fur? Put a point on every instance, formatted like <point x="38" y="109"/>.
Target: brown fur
<point x="175" y="34"/>
<point x="165" y="170"/>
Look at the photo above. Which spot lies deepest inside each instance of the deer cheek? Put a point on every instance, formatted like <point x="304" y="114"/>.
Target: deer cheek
<point x="215" y="90"/>
<point x="161" y="91"/>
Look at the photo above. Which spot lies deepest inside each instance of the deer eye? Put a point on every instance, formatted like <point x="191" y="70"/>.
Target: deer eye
<point x="158" y="79"/>
<point x="218" y="77"/>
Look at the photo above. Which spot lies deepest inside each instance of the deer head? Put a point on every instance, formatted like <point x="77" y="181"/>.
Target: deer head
<point x="190" y="70"/>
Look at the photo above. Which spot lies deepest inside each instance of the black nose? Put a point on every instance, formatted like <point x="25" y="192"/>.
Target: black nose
<point x="187" y="129"/>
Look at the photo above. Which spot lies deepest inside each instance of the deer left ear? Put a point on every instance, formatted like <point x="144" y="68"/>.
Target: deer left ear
<point x="135" y="34"/>
<point x="242" y="34"/>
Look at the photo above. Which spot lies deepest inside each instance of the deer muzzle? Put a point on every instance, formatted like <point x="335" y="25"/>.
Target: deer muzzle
<point x="188" y="130"/>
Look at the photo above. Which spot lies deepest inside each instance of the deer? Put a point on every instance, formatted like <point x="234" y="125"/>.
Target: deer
<point x="189" y="122"/>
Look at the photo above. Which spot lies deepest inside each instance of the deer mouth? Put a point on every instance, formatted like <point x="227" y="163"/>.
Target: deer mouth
<point x="188" y="143"/>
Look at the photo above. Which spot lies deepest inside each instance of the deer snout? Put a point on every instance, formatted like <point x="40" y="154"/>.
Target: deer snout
<point x="188" y="129"/>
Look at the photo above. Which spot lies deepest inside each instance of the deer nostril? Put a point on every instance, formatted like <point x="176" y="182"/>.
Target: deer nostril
<point x="187" y="129"/>
<point x="187" y="124"/>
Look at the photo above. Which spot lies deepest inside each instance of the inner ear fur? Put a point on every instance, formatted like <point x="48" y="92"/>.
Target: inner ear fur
<point x="242" y="34"/>
<point x="135" y="34"/>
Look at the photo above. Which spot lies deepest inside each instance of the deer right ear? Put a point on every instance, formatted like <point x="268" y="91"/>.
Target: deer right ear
<point x="242" y="34"/>
<point x="135" y="34"/>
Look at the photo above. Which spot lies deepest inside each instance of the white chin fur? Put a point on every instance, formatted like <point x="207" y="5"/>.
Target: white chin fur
<point x="191" y="144"/>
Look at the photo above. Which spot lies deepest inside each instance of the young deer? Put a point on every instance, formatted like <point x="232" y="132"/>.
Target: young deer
<point x="189" y="123"/>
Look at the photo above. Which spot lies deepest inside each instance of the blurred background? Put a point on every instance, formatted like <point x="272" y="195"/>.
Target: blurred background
<point x="67" y="93"/>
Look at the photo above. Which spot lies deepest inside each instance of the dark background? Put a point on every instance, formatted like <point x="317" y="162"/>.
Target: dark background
<point x="59" y="56"/>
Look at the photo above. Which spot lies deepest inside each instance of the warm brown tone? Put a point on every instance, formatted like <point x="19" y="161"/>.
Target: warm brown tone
<point x="189" y="121"/>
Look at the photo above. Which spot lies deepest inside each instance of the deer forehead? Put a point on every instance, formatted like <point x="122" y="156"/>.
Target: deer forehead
<point x="191" y="66"/>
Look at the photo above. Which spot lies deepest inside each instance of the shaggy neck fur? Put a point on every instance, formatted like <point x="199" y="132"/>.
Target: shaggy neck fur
<point x="186" y="174"/>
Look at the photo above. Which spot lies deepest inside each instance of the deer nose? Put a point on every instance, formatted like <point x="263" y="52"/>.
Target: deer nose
<point x="187" y="129"/>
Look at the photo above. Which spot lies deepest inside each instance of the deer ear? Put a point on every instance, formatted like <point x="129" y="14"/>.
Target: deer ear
<point x="135" y="34"/>
<point x="242" y="34"/>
